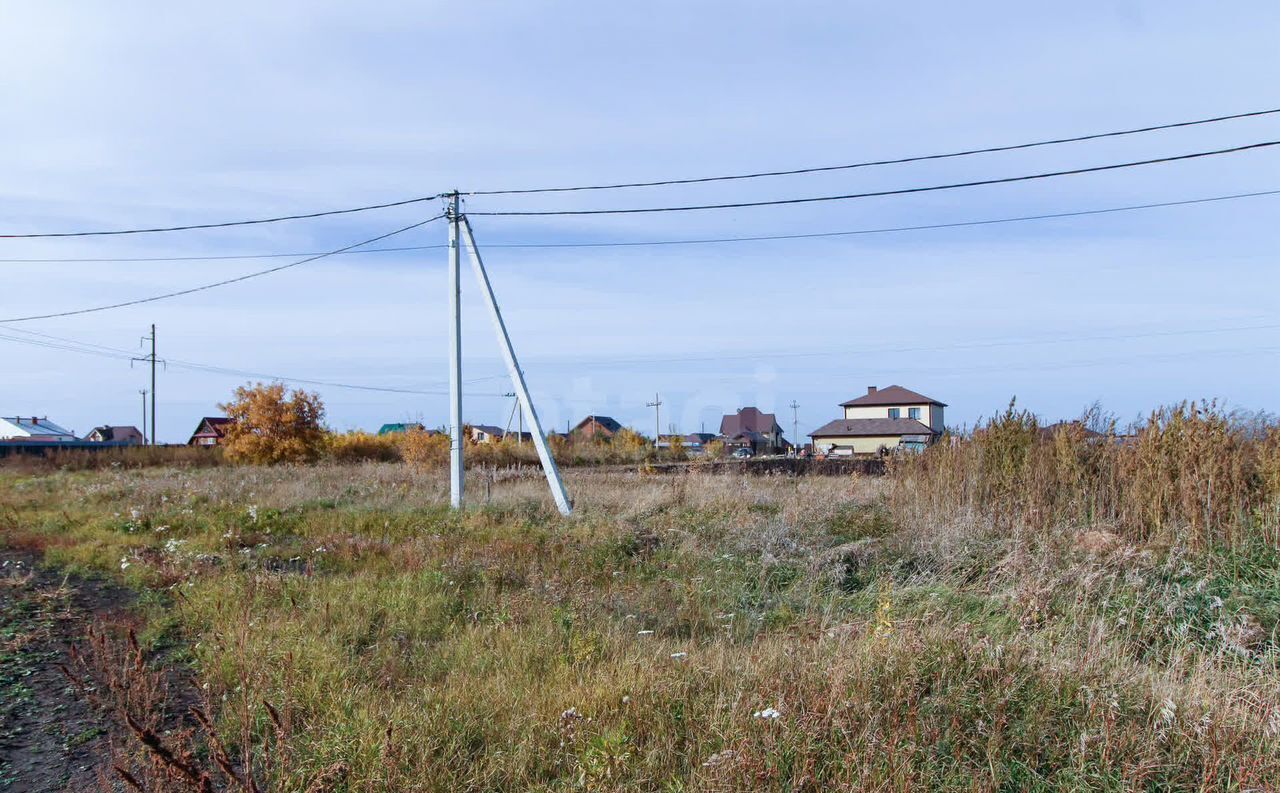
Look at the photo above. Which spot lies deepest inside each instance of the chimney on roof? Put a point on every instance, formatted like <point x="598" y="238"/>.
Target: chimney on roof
<point x="871" y="390"/>
<point x="35" y="420"/>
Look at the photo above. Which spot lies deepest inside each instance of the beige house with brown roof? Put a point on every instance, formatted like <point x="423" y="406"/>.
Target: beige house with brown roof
<point x="882" y="420"/>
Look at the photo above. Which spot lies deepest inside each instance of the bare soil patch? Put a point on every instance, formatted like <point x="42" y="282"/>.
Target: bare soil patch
<point x="50" y="740"/>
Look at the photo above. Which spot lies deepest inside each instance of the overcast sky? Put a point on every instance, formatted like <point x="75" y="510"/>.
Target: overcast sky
<point x="116" y="115"/>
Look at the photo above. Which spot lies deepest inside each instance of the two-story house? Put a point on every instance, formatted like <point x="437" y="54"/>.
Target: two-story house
<point x="752" y="429"/>
<point x="883" y="419"/>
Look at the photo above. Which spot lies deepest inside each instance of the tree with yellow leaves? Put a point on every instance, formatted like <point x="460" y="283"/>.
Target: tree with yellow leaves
<point x="270" y="426"/>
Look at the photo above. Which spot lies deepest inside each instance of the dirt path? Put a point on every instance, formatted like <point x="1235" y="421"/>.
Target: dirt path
<point x="50" y="740"/>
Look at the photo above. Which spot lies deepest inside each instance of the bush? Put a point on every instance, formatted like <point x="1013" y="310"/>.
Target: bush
<point x="269" y="426"/>
<point x="359" y="447"/>
<point x="424" y="450"/>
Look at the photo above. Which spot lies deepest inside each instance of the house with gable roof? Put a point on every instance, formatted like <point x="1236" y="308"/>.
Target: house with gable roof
<point x="881" y="421"/>
<point x="753" y="429"/>
<point x="33" y="428"/>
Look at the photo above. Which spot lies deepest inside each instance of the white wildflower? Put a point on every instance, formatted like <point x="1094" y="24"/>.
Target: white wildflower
<point x="124" y="563"/>
<point x="768" y="714"/>
<point x="718" y="758"/>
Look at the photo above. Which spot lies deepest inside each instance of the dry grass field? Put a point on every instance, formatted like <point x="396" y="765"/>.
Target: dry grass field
<point x="1006" y="614"/>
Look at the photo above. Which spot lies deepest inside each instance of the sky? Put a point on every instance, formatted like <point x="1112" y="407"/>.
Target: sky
<point x="149" y="114"/>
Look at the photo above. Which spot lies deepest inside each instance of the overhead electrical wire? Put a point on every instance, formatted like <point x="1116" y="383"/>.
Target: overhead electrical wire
<point x="224" y="282"/>
<point x="978" y="345"/>
<point x="659" y="183"/>
<point x="878" y="193"/>
<point x="49" y="341"/>
<point x="673" y="242"/>
<point x="73" y="345"/>
<point x="221" y="225"/>
<point x="873" y="163"/>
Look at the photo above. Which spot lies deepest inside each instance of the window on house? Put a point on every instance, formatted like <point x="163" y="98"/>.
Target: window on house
<point x="895" y="413"/>
<point x="913" y="413"/>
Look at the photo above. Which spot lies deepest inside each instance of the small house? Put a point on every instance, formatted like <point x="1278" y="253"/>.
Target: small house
<point x="485" y="433"/>
<point x="211" y="431"/>
<point x="593" y="427"/>
<point x="33" y="428"/>
<point x="109" y="433"/>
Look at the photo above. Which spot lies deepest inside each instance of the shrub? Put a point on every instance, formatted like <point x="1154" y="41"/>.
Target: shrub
<point x="357" y="447"/>
<point x="271" y="426"/>
<point x="424" y="450"/>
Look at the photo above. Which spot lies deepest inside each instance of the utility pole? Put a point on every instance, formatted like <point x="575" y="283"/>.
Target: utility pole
<point x="152" y="360"/>
<point x="656" y="404"/>
<point x="515" y="405"/>
<point x="517" y="375"/>
<point x="795" y="425"/>
<point x="455" y="355"/>
<point x="145" y="436"/>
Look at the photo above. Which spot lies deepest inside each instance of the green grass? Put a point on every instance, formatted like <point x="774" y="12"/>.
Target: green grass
<point x="631" y="647"/>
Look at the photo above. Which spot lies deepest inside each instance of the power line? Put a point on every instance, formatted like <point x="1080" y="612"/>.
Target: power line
<point x="873" y="163"/>
<point x="88" y="348"/>
<point x="672" y="242"/>
<point x="985" y="344"/>
<point x="697" y="180"/>
<point x="323" y="383"/>
<point x="225" y="282"/>
<point x="222" y="225"/>
<point x="878" y="193"/>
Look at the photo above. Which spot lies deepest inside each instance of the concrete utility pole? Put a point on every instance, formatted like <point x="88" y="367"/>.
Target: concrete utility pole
<point x="656" y="404"/>
<point x="795" y="425"/>
<point x="143" y="391"/>
<point x="455" y="356"/>
<point x="517" y="376"/>
<point x="152" y="360"/>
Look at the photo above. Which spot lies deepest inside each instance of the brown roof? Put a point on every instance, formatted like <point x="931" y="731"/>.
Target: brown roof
<point x="748" y="420"/>
<point x="856" y="428"/>
<point x="892" y="395"/>
<point x="606" y="423"/>
<point x="211" y="427"/>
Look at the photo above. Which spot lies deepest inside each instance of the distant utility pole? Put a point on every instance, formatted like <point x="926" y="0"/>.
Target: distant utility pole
<point x="656" y="404"/>
<point x="515" y="408"/>
<point x="795" y="424"/>
<point x="152" y="360"/>
<point x="143" y="391"/>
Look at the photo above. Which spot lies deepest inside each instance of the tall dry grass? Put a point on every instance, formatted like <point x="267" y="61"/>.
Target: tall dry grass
<point x="1190" y="476"/>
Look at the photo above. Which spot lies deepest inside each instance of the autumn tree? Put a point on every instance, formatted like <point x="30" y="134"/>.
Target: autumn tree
<point x="269" y="425"/>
